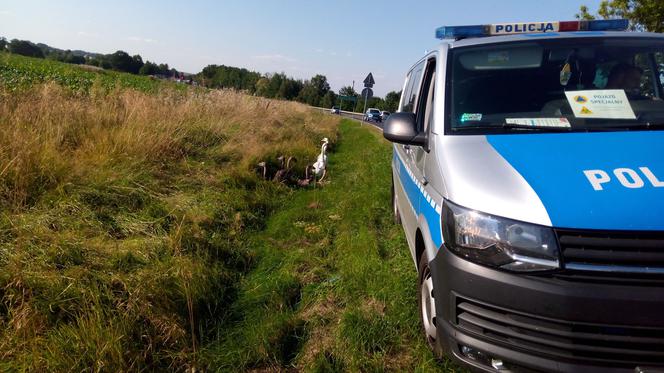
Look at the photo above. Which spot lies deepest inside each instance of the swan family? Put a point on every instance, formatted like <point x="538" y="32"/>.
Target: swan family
<point x="312" y="172"/>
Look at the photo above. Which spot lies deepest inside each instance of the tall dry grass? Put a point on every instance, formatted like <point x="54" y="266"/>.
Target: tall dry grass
<point x="124" y="217"/>
<point x="49" y="136"/>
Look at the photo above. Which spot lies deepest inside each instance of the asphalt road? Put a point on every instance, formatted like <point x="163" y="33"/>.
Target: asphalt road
<point x="356" y="116"/>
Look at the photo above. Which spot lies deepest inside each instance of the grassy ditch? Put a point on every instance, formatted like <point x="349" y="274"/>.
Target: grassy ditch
<point x="335" y="287"/>
<point x="125" y="219"/>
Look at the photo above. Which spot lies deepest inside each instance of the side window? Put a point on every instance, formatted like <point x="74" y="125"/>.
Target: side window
<point x="403" y="99"/>
<point x="426" y="102"/>
<point x="412" y="90"/>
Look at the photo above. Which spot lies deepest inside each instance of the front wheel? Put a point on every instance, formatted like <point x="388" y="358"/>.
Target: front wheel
<point x="427" y="306"/>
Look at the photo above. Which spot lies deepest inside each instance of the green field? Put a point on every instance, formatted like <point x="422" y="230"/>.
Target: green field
<point x="19" y="72"/>
<point x="137" y="235"/>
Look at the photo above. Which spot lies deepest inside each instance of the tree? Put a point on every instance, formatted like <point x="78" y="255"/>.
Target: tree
<point x="149" y="68"/>
<point x="308" y="94"/>
<point x="275" y="84"/>
<point x="329" y="100"/>
<point x="136" y="64"/>
<point x="643" y="15"/>
<point x="347" y="91"/>
<point x="313" y="90"/>
<point x="392" y="101"/>
<point x="70" y="57"/>
<point x="3" y="44"/>
<point x="25" y="48"/>
<point x="319" y="82"/>
<point x="374" y="102"/>
<point x="289" y="88"/>
<point x="263" y="87"/>
<point x="163" y="69"/>
<point x="121" y="61"/>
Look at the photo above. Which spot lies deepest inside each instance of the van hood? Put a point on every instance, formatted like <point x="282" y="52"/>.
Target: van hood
<point x="596" y="180"/>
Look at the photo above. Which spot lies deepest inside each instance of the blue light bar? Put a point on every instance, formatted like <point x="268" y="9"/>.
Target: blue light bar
<point x="456" y="32"/>
<point x="460" y="32"/>
<point x="608" y="25"/>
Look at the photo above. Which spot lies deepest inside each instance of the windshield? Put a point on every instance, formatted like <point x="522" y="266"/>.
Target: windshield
<point x="557" y="85"/>
<point x="374" y="111"/>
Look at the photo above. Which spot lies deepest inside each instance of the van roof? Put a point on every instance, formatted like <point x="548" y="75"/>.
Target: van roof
<point x="550" y="35"/>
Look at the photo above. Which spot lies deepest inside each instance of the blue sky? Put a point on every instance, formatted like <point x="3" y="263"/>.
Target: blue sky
<point x="343" y="40"/>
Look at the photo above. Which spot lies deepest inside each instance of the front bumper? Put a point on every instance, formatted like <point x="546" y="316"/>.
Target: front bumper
<point x="545" y="323"/>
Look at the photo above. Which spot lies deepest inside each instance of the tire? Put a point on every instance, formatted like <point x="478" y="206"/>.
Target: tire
<point x="396" y="215"/>
<point x="427" y="307"/>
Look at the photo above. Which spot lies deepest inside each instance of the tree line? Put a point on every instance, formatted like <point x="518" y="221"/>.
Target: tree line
<point x="314" y="91"/>
<point x="118" y="61"/>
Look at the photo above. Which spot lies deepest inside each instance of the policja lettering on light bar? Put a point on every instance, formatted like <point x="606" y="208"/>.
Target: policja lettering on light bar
<point x="519" y="28"/>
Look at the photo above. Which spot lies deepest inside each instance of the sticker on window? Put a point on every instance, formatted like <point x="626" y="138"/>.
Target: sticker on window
<point x="539" y="122"/>
<point x="498" y="57"/>
<point x="601" y="103"/>
<point x="471" y="117"/>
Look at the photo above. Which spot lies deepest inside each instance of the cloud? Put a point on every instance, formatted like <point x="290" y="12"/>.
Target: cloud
<point x="141" y="39"/>
<point x="6" y="13"/>
<point x="328" y="52"/>
<point x="275" y="58"/>
<point x="87" y="34"/>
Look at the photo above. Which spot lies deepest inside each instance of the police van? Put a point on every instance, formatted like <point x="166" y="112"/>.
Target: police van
<point x="528" y="175"/>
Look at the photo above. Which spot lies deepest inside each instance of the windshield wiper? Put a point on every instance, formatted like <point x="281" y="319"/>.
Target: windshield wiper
<point x="628" y="126"/>
<point x="646" y="125"/>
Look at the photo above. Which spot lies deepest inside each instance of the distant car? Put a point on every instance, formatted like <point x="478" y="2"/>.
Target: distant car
<point x="384" y="115"/>
<point x="372" y="115"/>
<point x="335" y="110"/>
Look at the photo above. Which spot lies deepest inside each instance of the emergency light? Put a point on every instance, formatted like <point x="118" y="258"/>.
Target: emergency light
<point x="459" y="32"/>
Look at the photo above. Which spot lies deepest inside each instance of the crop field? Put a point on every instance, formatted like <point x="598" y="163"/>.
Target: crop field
<point x="137" y="235"/>
<point x="19" y="72"/>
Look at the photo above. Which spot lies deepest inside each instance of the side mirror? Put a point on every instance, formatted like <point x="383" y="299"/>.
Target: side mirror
<point x="402" y="128"/>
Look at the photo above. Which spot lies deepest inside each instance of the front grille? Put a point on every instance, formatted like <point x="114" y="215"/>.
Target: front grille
<point x="619" y="255"/>
<point x="562" y="340"/>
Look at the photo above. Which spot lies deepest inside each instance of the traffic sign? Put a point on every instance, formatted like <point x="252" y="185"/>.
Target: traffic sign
<point x="367" y="93"/>
<point x="369" y="81"/>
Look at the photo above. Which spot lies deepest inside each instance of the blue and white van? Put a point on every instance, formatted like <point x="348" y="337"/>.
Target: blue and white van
<point x="528" y="175"/>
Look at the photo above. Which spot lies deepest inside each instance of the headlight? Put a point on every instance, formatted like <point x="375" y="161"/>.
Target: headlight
<point x="498" y="242"/>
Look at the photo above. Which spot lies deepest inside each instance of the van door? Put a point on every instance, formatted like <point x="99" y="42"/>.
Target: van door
<point x="408" y="194"/>
<point x="428" y="199"/>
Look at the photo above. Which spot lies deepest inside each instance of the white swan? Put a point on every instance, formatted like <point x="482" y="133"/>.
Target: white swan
<point x="321" y="162"/>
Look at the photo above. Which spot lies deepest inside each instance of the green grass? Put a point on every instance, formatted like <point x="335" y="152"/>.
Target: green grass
<point x="126" y="218"/>
<point x="19" y="72"/>
<point x="334" y="288"/>
<point x="135" y="234"/>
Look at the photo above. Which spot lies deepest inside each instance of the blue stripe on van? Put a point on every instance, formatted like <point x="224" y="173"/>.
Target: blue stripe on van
<point x="420" y="201"/>
<point x="555" y="166"/>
